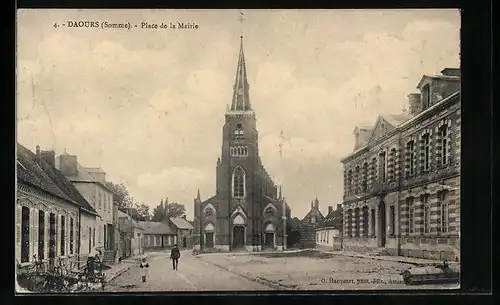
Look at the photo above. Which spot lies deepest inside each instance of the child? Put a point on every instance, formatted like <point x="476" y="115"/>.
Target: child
<point x="144" y="269"/>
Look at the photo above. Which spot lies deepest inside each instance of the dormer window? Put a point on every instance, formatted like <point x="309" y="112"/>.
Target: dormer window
<point x="426" y="96"/>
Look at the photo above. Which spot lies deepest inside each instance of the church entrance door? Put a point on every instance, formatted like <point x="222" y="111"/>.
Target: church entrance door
<point x="269" y="240"/>
<point x="238" y="237"/>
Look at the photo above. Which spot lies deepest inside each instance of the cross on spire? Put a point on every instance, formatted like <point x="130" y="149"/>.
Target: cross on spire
<point x="241" y="19"/>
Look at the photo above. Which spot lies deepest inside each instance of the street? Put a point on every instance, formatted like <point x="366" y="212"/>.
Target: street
<point x="193" y="275"/>
<point x="266" y="271"/>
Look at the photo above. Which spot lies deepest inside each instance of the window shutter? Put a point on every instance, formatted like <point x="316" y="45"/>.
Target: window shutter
<point x="66" y="235"/>
<point x="47" y="235"/>
<point x="19" y="214"/>
<point x="31" y="238"/>
<point x="76" y="238"/>
<point x="35" y="233"/>
<point x="58" y="234"/>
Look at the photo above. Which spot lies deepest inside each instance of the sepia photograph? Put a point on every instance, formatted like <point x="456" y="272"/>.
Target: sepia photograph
<point x="163" y="150"/>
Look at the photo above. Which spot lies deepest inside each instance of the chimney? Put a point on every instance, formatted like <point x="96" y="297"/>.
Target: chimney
<point x="330" y="209"/>
<point x="49" y="157"/>
<point x="37" y="151"/>
<point x="339" y="207"/>
<point x="451" y="71"/>
<point x="97" y="173"/>
<point x="67" y="164"/>
<point x="415" y="103"/>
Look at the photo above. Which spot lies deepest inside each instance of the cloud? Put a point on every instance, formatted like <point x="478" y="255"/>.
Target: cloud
<point x="176" y="183"/>
<point x="149" y="106"/>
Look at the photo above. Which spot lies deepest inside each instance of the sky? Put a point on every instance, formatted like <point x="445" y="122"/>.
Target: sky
<point x="147" y="105"/>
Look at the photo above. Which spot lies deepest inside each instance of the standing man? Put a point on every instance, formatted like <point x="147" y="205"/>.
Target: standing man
<point x="174" y="256"/>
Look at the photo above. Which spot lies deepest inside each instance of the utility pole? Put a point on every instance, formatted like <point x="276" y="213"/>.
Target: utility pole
<point x="283" y="202"/>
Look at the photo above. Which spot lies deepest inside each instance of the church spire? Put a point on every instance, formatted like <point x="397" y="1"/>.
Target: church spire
<point x="198" y="197"/>
<point x="241" y="100"/>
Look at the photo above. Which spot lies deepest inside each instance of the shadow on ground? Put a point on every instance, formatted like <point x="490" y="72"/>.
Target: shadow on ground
<point x="306" y="253"/>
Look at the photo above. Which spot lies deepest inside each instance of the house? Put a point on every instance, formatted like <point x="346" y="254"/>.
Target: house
<point x="402" y="180"/>
<point x="307" y="228"/>
<point x="329" y="235"/>
<point x="183" y="229"/>
<point x="314" y="216"/>
<point x="91" y="183"/>
<point x="49" y="212"/>
<point x="131" y="239"/>
<point x="158" y="235"/>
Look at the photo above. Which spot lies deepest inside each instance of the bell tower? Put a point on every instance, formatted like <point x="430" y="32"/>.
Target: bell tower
<point x="239" y="141"/>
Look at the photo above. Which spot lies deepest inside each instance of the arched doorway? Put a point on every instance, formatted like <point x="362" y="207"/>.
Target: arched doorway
<point x="238" y="236"/>
<point x="209" y="235"/>
<point x="269" y="240"/>
<point x="382" y="221"/>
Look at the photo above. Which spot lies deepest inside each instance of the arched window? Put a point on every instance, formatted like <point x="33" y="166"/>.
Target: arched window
<point x="364" y="179"/>
<point x="426" y="151"/>
<point x="373" y="169"/>
<point x="411" y="214"/>
<point x="443" y="135"/>
<point x="410" y="157"/>
<point x="443" y="211"/>
<point x="239" y="183"/>
<point x="356" y="180"/>
<point x="349" y="182"/>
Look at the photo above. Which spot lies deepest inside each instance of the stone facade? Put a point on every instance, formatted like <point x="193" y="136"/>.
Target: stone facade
<point x="401" y="188"/>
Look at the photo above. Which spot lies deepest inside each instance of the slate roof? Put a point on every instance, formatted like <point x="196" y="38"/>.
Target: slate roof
<point x="153" y="227"/>
<point x="34" y="171"/>
<point x="181" y="223"/>
<point x="333" y="219"/>
<point x="83" y="174"/>
<point x="395" y="119"/>
<point x="135" y="223"/>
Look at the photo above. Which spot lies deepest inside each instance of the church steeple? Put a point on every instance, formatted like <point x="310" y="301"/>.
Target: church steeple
<point x="241" y="100"/>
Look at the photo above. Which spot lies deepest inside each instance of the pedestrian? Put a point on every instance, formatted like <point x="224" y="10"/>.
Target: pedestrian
<point x="144" y="269"/>
<point x="174" y="256"/>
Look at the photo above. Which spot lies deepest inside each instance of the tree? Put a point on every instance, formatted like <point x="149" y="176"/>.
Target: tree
<point x="143" y="212"/>
<point x="158" y="212"/>
<point x="175" y="209"/>
<point x="121" y="195"/>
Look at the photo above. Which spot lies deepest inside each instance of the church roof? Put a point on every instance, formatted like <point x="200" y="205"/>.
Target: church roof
<point x="241" y="100"/>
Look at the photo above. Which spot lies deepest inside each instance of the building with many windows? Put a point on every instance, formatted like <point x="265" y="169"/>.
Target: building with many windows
<point x="402" y="181"/>
<point x="91" y="183"/>
<point x="49" y="211"/>
<point x="246" y="212"/>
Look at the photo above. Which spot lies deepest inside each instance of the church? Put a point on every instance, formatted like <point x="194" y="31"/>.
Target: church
<point x="247" y="211"/>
